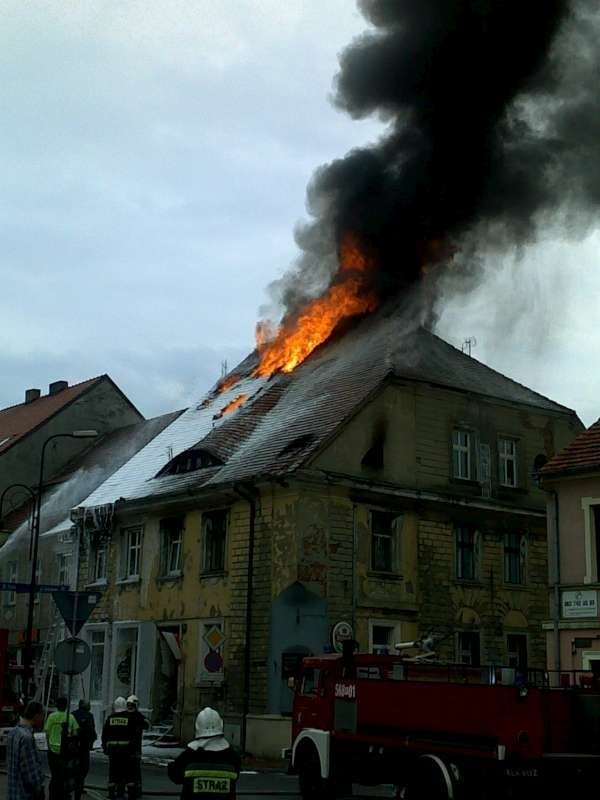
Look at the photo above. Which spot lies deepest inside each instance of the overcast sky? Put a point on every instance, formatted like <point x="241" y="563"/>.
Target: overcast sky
<point x="154" y="159"/>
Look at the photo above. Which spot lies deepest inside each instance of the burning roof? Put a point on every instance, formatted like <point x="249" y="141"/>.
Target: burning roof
<point x="287" y="418"/>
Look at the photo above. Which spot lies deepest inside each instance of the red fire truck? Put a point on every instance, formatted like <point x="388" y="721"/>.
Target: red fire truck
<point x="439" y="731"/>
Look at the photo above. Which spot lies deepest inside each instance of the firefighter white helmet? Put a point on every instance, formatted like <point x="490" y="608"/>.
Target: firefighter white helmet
<point x="132" y="700"/>
<point x="208" y="724"/>
<point x="120" y="704"/>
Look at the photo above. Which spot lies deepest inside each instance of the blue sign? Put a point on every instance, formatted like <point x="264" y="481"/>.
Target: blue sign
<point x="42" y="588"/>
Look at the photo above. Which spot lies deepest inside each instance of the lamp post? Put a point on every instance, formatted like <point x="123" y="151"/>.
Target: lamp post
<point x="28" y="666"/>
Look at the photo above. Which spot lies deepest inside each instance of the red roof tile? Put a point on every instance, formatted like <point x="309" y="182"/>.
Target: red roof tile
<point x="17" y="421"/>
<point x="582" y="454"/>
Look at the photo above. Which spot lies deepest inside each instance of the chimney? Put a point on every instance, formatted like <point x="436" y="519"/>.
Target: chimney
<point x="57" y="386"/>
<point x="31" y="395"/>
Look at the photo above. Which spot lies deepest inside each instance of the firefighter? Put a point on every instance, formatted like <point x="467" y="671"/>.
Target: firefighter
<point x="139" y="724"/>
<point x="208" y="766"/>
<point x="118" y="745"/>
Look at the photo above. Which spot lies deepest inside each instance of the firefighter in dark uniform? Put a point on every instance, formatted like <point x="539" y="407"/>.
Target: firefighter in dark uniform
<point x="139" y="724"/>
<point x="208" y="768"/>
<point x="118" y="742"/>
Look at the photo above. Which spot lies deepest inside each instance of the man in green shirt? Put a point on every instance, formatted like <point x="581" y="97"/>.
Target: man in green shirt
<point x="55" y="728"/>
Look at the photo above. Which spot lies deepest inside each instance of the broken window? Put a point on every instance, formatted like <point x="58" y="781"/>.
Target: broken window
<point x="131" y="552"/>
<point x="514" y="557"/>
<point x="214" y="525"/>
<point x="190" y="461"/>
<point x="171" y="535"/>
<point x="384" y="541"/>
<point x="461" y="454"/>
<point x="469" y="648"/>
<point x="466" y="548"/>
<point x="507" y="453"/>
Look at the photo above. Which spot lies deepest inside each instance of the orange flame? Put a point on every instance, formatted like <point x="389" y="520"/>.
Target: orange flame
<point x="284" y="349"/>
<point x="227" y="383"/>
<point x="231" y="406"/>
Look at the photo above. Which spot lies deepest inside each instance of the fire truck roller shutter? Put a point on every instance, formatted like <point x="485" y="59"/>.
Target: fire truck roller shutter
<point x="431" y="779"/>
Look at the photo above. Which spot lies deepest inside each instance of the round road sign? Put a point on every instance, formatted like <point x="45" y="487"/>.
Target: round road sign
<point x="72" y="656"/>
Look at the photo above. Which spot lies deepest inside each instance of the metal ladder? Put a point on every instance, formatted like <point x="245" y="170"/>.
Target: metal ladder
<point x="46" y="661"/>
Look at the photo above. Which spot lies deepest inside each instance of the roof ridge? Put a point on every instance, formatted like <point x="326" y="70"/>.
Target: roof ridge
<point x="45" y="396"/>
<point x="470" y="359"/>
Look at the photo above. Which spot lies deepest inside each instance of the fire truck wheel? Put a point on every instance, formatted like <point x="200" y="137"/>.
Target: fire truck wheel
<point x="431" y="779"/>
<point x="312" y="785"/>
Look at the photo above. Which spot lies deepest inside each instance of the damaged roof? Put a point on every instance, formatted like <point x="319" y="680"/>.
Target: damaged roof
<point x="581" y="455"/>
<point x="282" y="420"/>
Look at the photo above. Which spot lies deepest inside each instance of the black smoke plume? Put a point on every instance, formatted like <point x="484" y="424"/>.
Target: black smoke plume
<point x="493" y="119"/>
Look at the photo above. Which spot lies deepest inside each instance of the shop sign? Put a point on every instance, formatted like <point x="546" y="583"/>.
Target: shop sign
<point x="580" y="603"/>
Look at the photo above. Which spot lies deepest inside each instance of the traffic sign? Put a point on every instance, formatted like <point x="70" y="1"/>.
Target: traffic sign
<point x="76" y="607"/>
<point x="72" y="656"/>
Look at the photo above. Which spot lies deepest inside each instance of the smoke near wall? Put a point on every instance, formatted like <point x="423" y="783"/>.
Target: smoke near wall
<point x="493" y="131"/>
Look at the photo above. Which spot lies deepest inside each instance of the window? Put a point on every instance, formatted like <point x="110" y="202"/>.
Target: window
<point x="63" y="569"/>
<point x="131" y="554"/>
<point x="514" y="557"/>
<point x="310" y="681"/>
<point x="384" y="544"/>
<point x="507" y="452"/>
<point x="11" y="575"/>
<point x="461" y="454"/>
<point x="171" y="535"/>
<point x="96" y="642"/>
<point x="214" y="525"/>
<point x="99" y="562"/>
<point x="467" y="560"/>
<point x="469" y="649"/>
<point x="516" y="648"/>
<point x="382" y="639"/>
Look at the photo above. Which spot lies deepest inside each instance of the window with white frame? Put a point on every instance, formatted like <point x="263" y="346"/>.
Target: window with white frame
<point x="171" y="536"/>
<point x="214" y="528"/>
<point x="384" y="541"/>
<point x="507" y="454"/>
<point x="11" y="575"/>
<point x="96" y="642"/>
<point x="461" y="454"/>
<point x="99" y="562"/>
<point x="63" y="577"/>
<point x="131" y="552"/>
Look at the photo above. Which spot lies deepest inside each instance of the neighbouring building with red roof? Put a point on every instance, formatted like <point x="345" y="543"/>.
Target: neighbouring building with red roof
<point x="96" y="404"/>
<point x="572" y="480"/>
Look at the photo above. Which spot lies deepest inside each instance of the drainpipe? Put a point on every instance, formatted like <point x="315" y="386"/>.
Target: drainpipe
<point x="249" y="494"/>
<point x="557" y="657"/>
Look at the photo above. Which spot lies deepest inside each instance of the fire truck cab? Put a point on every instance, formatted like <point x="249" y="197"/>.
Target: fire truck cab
<point x="441" y="731"/>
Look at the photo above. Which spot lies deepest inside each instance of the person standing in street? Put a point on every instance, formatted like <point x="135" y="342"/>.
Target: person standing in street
<point x="118" y="744"/>
<point x="140" y="724"/>
<point x="87" y="737"/>
<point x="208" y="766"/>
<point x="59" y="751"/>
<point x="25" y="776"/>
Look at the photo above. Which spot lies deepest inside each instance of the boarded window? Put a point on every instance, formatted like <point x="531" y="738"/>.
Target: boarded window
<point x="214" y="524"/>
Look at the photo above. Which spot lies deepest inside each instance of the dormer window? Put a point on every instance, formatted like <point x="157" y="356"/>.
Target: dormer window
<point x="190" y="461"/>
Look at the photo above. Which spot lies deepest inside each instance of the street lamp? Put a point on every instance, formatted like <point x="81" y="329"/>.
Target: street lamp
<point x="28" y="666"/>
<point x="7" y="490"/>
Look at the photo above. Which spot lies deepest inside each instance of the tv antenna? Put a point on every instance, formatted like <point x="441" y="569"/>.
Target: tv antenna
<point x="468" y="344"/>
<point x="224" y="368"/>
